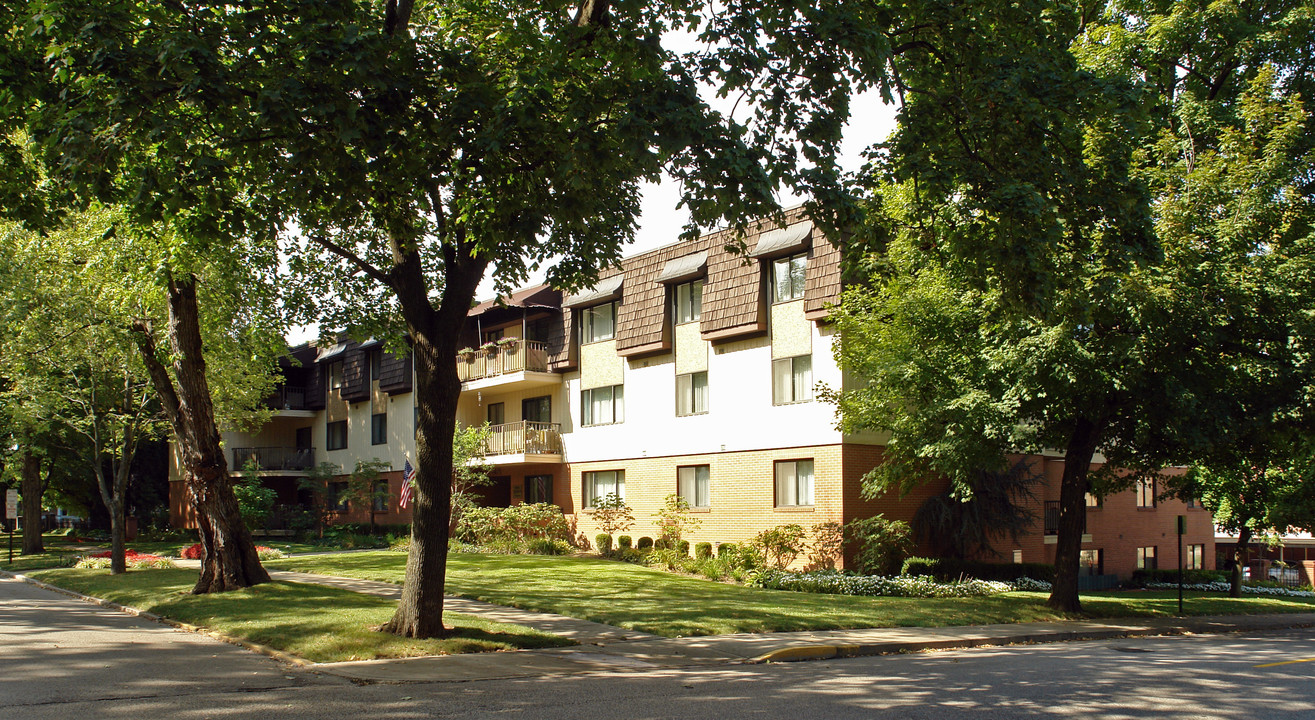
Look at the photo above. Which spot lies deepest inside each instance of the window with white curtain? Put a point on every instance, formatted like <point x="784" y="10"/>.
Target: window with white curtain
<point x="792" y="380"/>
<point x="692" y="393"/>
<point x="693" y="483"/>
<point x="794" y="483"/>
<point x="602" y="406"/>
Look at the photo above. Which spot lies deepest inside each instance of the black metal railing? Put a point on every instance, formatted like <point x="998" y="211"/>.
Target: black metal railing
<point x="1052" y="518"/>
<point x="287" y="397"/>
<point x="274" y="458"/>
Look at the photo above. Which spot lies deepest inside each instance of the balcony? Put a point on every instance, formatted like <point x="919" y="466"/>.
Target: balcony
<point x="524" y="442"/>
<point x="1051" y="523"/>
<point x="274" y="460"/>
<point x="289" y="401"/>
<point x="515" y="366"/>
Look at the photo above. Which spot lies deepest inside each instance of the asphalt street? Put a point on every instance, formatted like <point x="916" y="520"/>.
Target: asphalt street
<point x="67" y="659"/>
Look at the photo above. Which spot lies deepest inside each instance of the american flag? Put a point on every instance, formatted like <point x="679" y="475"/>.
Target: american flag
<point x="408" y="476"/>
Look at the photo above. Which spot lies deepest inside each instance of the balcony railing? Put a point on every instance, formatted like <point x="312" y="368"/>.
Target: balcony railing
<point x="287" y="397"/>
<point x="530" y="438"/>
<point x="1052" y="518"/>
<point x="274" y="458"/>
<point x="503" y="359"/>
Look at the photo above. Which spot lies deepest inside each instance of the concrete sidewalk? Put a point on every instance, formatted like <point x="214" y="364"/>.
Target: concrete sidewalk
<point x="604" y="648"/>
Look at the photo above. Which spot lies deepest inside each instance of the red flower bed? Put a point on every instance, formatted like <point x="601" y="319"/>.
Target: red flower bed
<point x="194" y="552"/>
<point x="126" y="553"/>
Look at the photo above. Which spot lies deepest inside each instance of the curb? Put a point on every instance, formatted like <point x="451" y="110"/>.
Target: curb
<point x="143" y="614"/>
<point x="801" y="653"/>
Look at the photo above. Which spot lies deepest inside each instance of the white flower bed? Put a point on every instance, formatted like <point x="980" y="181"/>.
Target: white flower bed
<point x="1224" y="587"/>
<point x="1027" y="583"/>
<point x="835" y="583"/>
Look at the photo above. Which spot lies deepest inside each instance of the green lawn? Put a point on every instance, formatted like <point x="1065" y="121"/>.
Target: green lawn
<point x="652" y="601"/>
<point x="314" y="622"/>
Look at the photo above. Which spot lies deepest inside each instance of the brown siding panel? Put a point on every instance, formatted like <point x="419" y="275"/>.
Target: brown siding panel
<point x="395" y="374"/>
<point x="561" y="348"/>
<point x="822" y="279"/>
<point x="642" y="326"/>
<point x="355" y="375"/>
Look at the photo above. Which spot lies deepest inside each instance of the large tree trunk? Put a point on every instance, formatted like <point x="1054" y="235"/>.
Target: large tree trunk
<point x="31" y="490"/>
<point x="434" y="336"/>
<point x="229" y="558"/>
<point x="1239" y="561"/>
<point x="118" y="560"/>
<point x="1073" y="515"/>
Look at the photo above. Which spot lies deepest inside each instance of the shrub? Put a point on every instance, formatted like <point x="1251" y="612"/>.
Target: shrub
<point x="739" y="558"/>
<point x="604" y="543"/>
<point x="399" y="544"/>
<point x="268" y="553"/>
<point x="837" y="583"/>
<point x="191" y="552"/>
<point x="669" y="559"/>
<point x="675" y="519"/>
<point x="132" y="558"/>
<point x="703" y="550"/>
<point x="710" y="567"/>
<point x="548" y="546"/>
<point x="780" y="545"/>
<point x="881" y="544"/>
<point x="727" y="550"/>
<point x="683" y="548"/>
<point x="645" y="543"/>
<point x="624" y="542"/>
<point x="660" y="543"/>
<point x="630" y="555"/>
<point x="952" y="569"/>
<point x="611" y="513"/>
<point x="509" y="529"/>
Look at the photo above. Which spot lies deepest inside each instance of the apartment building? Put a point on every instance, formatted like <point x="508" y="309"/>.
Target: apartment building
<point x="690" y="370"/>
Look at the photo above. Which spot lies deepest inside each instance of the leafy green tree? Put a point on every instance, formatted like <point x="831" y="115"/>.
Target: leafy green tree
<point x="997" y="507"/>
<point x="255" y="500"/>
<point x="1092" y="233"/>
<point x="880" y="545"/>
<point x="364" y="489"/>
<point x="612" y="514"/>
<point x="469" y="469"/>
<point x="674" y="519"/>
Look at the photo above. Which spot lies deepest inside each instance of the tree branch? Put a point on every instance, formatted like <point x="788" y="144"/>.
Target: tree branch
<point x="357" y="260"/>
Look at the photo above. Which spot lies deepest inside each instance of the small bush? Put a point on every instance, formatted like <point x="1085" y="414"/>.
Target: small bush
<point x="191" y="552"/>
<point x="703" y="550"/>
<point x="683" y="548"/>
<point x="269" y="553"/>
<point x="881" y="544"/>
<point x="827" y="547"/>
<point x="727" y="550"/>
<point x="132" y="558"/>
<point x="645" y="543"/>
<point x="711" y="568"/>
<point x="547" y="546"/>
<point x="400" y="544"/>
<point x="630" y="555"/>
<point x="660" y="543"/>
<point x="624" y="542"/>
<point x="780" y="545"/>
<point x="603" y="541"/>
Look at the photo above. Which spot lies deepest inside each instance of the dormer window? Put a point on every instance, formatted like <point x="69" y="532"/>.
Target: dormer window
<point x="335" y="375"/>
<point x="688" y="301"/>
<point x="598" y="323"/>
<point x="788" y="277"/>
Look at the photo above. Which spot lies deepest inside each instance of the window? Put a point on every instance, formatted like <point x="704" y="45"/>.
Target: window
<point x="537" y="409"/>
<point x="335" y="435"/>
<point x="794" y="483"/>
<point x="689" y="301"/>
<point x="381" y="496"/>
<point x="1018" y="556"/>
<point x="304" y="437"/>
<point x="1193" y="503"/>
<point x="336" y="496"/>
<point x="1195" y="559"/>
<point x="497" y="413"/>
<point x="792" y="380"/>
<point x="1094" y="500"/>
<point x="376" y="364"/>
<point x="602" y="483"/>
<point x="692" y="393"/>
<point x="493" y="335"/>
<point x="1090" y="563"/>
<point x="602" y="406"/>
<point x="538" y="489"/>
<point x="598" y="323"/>
<point x="1146" y="558"/>
<point x="538" y="330"/>
<point x="335" y="375"/>
<point x="692" y="484"/>
<point x="788" y="278"/>
<point x="378" y="428"/>
<point x="1146" y="493"/>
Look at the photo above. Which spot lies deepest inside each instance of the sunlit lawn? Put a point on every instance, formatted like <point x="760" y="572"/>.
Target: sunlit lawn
<point x="315" y="622"/>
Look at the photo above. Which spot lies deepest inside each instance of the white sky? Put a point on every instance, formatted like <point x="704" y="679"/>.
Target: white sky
<point x="660" y="222"/>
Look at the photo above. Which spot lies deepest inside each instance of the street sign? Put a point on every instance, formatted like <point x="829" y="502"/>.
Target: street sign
<point x="11" y="504"/>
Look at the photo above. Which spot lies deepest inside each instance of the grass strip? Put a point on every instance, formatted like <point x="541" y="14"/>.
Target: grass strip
<point x="640" y="598"/>
<point x="318" y="623"/>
